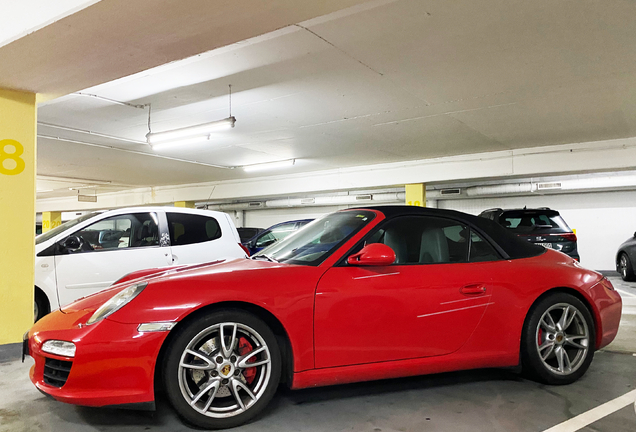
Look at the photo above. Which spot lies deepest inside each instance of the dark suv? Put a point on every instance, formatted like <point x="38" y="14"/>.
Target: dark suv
<point x="541" y="226"/>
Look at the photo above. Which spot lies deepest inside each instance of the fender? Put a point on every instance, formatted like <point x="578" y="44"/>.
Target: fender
<point x="159" y="271"/>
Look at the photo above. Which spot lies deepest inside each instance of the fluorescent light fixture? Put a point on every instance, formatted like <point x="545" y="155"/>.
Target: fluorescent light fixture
<point x="190" y="131"/>
<point x="179" y="142"/>
<point x="600" y="182"/>
<point x="269" y="165"/>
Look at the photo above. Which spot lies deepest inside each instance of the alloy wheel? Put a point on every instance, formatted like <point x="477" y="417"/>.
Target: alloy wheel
<point x="224" y="370"/>
<point x="622" y="265"/>
<point x="562" y="339"/>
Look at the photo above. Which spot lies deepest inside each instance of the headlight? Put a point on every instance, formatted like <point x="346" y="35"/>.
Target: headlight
<point x="117" y="302"/>
<point x="58" y="347"/>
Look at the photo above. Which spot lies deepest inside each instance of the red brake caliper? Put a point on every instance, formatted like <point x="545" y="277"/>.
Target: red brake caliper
<point x="244" y="348"/>
<point x="540" y="336"/>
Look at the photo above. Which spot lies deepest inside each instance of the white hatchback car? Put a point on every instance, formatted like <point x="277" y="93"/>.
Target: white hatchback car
<point x="88" y="254"/>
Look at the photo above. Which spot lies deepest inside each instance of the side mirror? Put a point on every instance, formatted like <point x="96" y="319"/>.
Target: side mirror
<point x="72" y="243"/>
<point x="375" y="254"/>
<point x="635" y="235"/>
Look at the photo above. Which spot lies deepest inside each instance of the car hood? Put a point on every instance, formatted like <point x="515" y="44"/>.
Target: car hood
<point x="164" y="274"/>
<point x="628" y="242"/>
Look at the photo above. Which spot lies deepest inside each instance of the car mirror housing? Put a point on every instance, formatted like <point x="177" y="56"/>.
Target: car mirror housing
<point x="375" y="254"/>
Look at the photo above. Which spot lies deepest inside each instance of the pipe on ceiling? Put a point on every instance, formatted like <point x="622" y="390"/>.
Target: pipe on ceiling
<point x="360" y="199"/>
<point x="503" y="189"/>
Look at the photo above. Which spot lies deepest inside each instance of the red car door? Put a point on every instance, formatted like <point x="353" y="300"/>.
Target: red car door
<point x="426" y="304"/>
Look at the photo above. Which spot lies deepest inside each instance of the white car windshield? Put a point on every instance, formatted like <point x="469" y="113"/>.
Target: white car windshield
<point x="313" y="243"/>
<point x="66" y="225"/>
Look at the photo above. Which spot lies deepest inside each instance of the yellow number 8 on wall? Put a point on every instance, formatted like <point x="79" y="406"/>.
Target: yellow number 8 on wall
<point x="10" y="162"/>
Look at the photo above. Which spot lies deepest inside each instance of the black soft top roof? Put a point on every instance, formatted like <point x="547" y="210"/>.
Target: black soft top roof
<point x="511" y="246"/>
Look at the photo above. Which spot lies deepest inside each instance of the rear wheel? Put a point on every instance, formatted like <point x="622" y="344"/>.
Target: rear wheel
<point x="557" y="344"/>
<point x="625" y="268"/>
<point x="222" y="369"/>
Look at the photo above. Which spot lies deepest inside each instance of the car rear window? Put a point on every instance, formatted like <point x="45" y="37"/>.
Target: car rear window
<point x="247" y="233"/>
<point x="525" y="221"/>
<point x="188" y="228"/>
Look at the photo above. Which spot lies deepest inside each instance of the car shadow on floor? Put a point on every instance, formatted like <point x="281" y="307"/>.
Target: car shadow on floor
<point x="378" y="387"/>
<point x="165" y="418"/>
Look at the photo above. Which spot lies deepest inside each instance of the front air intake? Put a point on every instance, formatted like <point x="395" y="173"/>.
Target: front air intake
<point x="56" y="372"/>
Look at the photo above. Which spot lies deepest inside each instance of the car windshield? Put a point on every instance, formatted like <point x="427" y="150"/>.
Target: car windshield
<point x="312" y="244"/>
<point x="528" y="221"/>
<point x="66" y="225"/>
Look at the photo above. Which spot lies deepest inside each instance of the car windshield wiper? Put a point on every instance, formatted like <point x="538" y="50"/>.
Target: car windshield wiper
<point x="267" y="257"/>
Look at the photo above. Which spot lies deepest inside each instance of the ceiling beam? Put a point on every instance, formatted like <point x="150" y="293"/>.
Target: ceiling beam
<point x="116" y="38"/>
<point x="610" y="155"/>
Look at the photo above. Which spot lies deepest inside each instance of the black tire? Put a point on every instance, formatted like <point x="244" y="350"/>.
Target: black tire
<point x="625" y="268"/>
<point x="184" y="384"/>
<point x="40" y="305"/>
<point x="548" y="363"/>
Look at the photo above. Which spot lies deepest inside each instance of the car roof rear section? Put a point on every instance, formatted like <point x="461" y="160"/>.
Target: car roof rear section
<point x="508" y="244"/>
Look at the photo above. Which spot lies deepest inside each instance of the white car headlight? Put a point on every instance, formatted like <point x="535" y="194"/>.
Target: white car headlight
<point x="58" y="347"/>
<point x="117" y="302"/>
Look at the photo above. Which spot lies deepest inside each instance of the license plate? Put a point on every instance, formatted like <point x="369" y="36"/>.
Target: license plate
<point x="25" y="346"/>
<point x="546" y="245"/>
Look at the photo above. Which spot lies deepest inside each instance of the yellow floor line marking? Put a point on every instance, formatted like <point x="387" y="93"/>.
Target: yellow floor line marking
<point x="595" y="414"/>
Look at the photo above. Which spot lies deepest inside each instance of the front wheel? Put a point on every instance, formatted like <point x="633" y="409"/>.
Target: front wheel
<point x="222" y="369"/>
<point x="557" y="344"/>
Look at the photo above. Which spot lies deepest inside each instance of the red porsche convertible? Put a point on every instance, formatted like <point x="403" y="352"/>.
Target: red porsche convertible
<point x="359" y="294"/>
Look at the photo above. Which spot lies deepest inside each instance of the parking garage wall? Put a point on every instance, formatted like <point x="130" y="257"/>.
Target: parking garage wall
<point x="602" y="220"/>
<point x="268" y="217"/>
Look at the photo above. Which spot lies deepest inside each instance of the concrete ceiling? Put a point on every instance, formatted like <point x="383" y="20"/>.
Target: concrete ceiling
<point x="384" y="81"/>
<point x="115" y="38"/>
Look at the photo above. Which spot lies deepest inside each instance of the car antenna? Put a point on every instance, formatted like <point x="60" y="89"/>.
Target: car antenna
<point x="525" y="207"/>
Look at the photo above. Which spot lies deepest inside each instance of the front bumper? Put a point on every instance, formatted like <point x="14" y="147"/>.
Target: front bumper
<point x="114" y="363"/>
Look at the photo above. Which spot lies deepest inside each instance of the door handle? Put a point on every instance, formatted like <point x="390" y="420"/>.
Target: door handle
<point x="473" y="289"/>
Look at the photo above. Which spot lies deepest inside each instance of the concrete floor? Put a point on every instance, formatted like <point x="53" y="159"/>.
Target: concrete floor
<point x="483" y="400"/>
<point x="626" y="338"/>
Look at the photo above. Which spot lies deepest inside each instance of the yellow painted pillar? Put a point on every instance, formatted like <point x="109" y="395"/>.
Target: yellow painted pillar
<point x="17" y="213"/>
<point x="51" y="220"/>
<point x="186" y="204"/>
<point x="415" y="194"/>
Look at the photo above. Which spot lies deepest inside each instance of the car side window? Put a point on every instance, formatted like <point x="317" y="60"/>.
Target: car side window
<point x="275" y="234"/>
<point x="265" y="239"/>
<point x="424" y="240"/>
<point x="120" y="232"/>
<point x="282" y="231"/>
<point x="481" y="250"/>
<point x="187" y="228"/>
